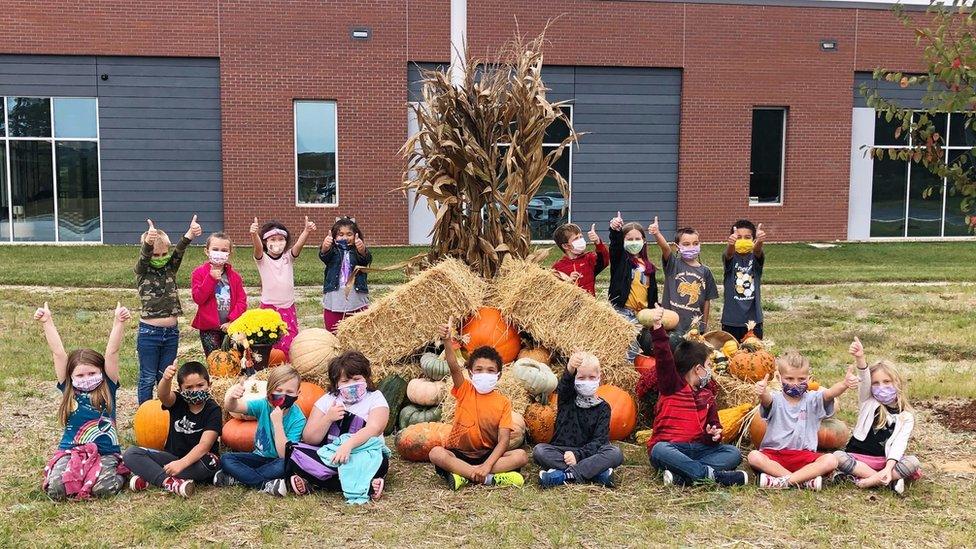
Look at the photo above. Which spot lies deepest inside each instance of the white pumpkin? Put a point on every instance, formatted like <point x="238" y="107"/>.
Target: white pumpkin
<point x="254" y="389"/>
<point x="434" y="367"/>
<point x="311" y="351"/>
<point x="424" y="392"/>
<point x="535" y="376"/>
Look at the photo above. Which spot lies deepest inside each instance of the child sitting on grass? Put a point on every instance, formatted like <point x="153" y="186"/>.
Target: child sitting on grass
<point x="875" y="455"/>
<point x="744" y="259"/>
<point x="279" y="422"/>
<point x="788" y="453"/>
<point x="477" y="448"/>
<point x="342" y="446"/>
<point x="689" y="285"/>
<point x="686" y="438"/>
<point x="580" y="450"/>
<point x="579" y="265"/>
<point x="219" y="293"/>
<point x="159" y="331"/>
<point x="191" y="451"/>
<point x="87" y="462"/>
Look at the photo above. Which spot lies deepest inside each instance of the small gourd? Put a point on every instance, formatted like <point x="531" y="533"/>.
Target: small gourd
<point x="535" y="376"/>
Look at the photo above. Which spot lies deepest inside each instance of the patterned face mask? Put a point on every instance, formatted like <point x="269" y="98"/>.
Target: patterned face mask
<point x="87" y="384"/>
<point x="283" y="401"/>
<point x="276" y="248"/>
<point x="353" y="392"/>
<point x="795" y="390"/>
<point x="160" y="262"/>
<point x="634" y="247"/>
<point x="195" y="397"/>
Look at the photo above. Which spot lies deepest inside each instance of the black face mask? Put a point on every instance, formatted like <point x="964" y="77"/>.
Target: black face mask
<point x="282" y="401"/>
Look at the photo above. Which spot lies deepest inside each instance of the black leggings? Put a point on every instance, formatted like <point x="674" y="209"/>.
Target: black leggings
<point x="738" y="332"/>
<point x="148" y="464"/>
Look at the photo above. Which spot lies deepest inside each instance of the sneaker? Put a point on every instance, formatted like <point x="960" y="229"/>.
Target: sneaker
<point x="300" y="486"/>
<point x="668" y="478"/>
<point x="508" y="479"/>
<point x="179" y="486"/>
<point x="551" y="477"/>
<point x="224" y="479"/>
<point x="898" y="486"/>
<point x="838" y="477"/>
<point x="605" y="478"/>
<point x="137" y="483"/>
<point x="814" y="484"/>
<point x="456" y="481"/>
<point x="732" y="478"/>
<point x="773" y="483"/>
<point x="277" y="487"/>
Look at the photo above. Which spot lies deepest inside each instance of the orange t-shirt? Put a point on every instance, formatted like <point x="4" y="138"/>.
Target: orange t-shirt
<point x="477" y="419"/>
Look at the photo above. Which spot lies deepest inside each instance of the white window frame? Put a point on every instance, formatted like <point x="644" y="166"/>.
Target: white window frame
<point x="52" y="141"/>
<point x="335" y="131"/>
<point x="782" y="161"/>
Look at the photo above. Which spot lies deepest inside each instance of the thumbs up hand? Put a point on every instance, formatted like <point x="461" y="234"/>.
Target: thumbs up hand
<point x="654" y="228"/>
<point x="617" y="223"/>
<point x="850" y="378"/>
<point x="254" y="226"/>
<point x="762" y="386"/>
<point x="195" y="230"/>
<point x="43" y="314"/>
<point x="122" y="314"/>
<point x="733" y="237"/>
<point x="760" y="234"/>
<point x="856" y="349"/>
<point x="593" y="235"/>
<point x="152" y="234"/>
<point x="309" y="225"/>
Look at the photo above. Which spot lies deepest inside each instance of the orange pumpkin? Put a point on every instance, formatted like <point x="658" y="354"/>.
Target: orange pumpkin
<point x="151" y="425"/>
<point x="238" y="434"/>
<point x="539" y="354"/>
<point x="308" y="394"/>
<point x="751" y="366"/>
<point x="540" y="420"/>
<point x="645" y="364"/>
<point x="224" y="363"/>
<point x="623" y="411"/>
<point x="489" y="328"/>
<point x="832" y="435"/>
<point x="416" y="441"/>
<point x="277" y="357"/>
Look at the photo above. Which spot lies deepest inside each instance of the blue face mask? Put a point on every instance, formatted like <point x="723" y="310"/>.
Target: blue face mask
<point x="343" y="244"/>
<point x="795" y="390"/>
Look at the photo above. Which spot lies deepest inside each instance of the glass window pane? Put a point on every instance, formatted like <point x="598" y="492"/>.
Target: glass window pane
<point x="884" y="132"/>
<point x="315" y="145"/>
<point x="548" y="209"/>
<point x="961" y="132"/>
<point x="888" y="198"/>
<point x="924" y="214"/>
<point x="29" y="116"/>
<point x="4" y="199"/>
<point x="75" y="117"/>
<point x="955" y="219"/>
<point x="558" y="130"/>
<point x="32" y="185"/>
<point x="939" y="120"/>
<point x="766" y="168"/>
<point x="78" y="215"/>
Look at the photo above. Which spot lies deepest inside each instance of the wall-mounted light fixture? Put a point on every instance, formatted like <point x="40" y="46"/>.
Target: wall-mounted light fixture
<point x="360" y="33"/>
<point x="828" y="45"/>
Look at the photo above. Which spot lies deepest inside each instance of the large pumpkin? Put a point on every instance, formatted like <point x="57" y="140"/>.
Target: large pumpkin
<point x="308" y="394"/>
<point x="238" y="434"/>
<point x="394" y="389"/>
<point x="416" y="441"/>
<point x="540" y="421"/>
<point x="434" y="367"/>
<point x="539" y="354"/>
<point x="517" y="439"/>
<point x="488" y="328"/>
<point x="425" y="392"/>
<point x="412" y="415"/>
<point x="535" y="376"/>
<point x="832" y="435"/>
<point x="151" y="425"/>
<point x="254" y="389"/>
<point x="751" y="365"/>
<point x="222" y="363"/>
<point x="623" y="411"/>
<point x="311" y="351"/>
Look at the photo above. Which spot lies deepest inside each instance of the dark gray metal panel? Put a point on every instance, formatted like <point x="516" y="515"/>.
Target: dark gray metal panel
<point x="908" y="97"/>
<point x="159" y="123"/>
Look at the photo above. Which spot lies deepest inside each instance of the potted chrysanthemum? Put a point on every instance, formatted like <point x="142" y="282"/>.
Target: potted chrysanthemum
<point x="257" y="330"/>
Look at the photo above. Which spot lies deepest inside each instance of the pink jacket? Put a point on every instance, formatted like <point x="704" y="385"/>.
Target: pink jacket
<point x="202" y="287"/>
<point x="80" y="475"/>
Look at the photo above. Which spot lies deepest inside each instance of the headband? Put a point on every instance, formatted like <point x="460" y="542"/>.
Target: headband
<point x="274" y="232"/>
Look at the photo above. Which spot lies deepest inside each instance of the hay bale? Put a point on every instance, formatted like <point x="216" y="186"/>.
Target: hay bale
<point x="733" y="392"/>
<point x="399" y="324"/>
<point x="563" y="317"/>
<point x="508" y="385"/>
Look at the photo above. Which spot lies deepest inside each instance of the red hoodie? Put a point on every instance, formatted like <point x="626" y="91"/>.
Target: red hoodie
<point x="202" y="287"/>
<point x="587" y="265"/>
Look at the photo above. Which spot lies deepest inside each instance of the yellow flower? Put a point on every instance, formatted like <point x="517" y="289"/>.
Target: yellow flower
<point x="274" y="336"/>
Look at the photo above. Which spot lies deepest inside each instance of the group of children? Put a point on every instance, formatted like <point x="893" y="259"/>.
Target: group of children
<point x="340" y="446"/>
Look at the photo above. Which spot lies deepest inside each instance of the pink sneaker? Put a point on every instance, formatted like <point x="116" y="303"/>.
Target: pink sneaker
<point x="773" y="483"/>
<point x="137" y="483"/>
<point x="300" y="486"/>
<point x="814" y="484"/>
<point x="179" y="486"/>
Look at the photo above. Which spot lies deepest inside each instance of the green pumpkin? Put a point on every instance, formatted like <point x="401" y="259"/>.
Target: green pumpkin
<point x="412" y="415"/>
<point x="434" y="367"/>
<point x="394" y="389"/>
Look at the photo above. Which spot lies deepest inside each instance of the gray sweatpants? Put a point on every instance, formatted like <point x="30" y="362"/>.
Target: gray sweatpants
<point x="551" y="457"/>
<point x="108" y="483"/>
<point x="148" y="464"/>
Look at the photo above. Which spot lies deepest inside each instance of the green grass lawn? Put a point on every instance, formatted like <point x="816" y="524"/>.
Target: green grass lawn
<point x="111" y="266"/>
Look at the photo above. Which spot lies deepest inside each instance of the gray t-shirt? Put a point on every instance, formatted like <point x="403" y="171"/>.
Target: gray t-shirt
<point x="743" y="273"/>
<point x="795" y="427"/>
<point x="686" y="289"/>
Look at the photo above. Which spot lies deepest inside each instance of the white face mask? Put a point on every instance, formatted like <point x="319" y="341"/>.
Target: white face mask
<point x="219" y="258"/>
<point x="586" y="387"/>
<point x="276" y="248"/>
<point x="484" y="383"/>
<point x="579" y="245"/>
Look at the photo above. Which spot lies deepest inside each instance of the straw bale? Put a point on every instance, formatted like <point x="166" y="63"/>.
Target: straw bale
<point x="564" y="318"/>
<point x="508" y="385"/>
<point x="732" y="391"/>
<point x="399" y="324"/>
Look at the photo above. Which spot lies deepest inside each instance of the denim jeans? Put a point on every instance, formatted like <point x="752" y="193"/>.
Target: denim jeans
<point x="251" y="469"/>
<point x="693" y="461"/>
<point x="157" y="347"/>
<point x="634" y="349"/>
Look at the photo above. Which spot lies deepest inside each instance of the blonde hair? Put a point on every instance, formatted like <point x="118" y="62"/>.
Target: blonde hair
<point x="100" y="398"/>
<point x="792" y="359"/>
<point x="161" y="236"/>
<point x="587" y="360"/>
<point x="901" y="401"/>
<point x="281" y="375"/>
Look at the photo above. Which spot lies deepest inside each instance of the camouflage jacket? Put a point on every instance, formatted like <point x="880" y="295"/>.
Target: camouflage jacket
<point x="157" y="287"/>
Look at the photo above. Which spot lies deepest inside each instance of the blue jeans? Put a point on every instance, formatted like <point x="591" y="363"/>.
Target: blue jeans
<point x="251" y="469"/>
<point x="693" y="461"/>
<point x="631" y="316"/>
<point x="157" y="350"/>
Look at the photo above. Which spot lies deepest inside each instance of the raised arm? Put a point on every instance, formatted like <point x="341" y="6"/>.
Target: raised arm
<point x="193" y="232"/>
<point x="602" y="253"/>
<point x="566" y="390"/>
<point x="145" y="253"/>
<point x="256" y="243"/>
<point x="837" y="389"/>
<point x="164" y="391"/>
<point x="58" y="355"/>
<point x="302" y="238"/>
<point x="863" y="374"/>
<point x="730" y="244"/>
<point x="757" y="249"/>
<point x="450" y="352"/>
<point x="654" y="229"/>
<point x="616" y="238"/>
<point x="232" y="400"/>
<point x="669" y="381"/>
<point x="762" y="391"/>
<point x="120" y="317"/>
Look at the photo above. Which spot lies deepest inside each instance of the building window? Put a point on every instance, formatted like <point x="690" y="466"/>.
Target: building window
<point x="768" y="156"/>
<point x="316" y="158"/>
<point x="49" y="170"/>
<point x="898" y="207"/>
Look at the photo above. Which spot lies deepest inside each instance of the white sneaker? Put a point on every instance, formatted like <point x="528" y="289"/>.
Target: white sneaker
<point x="814" y="484"/>
<point x="668" y="478"/>
<point x="898" y="486"/>
<point x="773" y="483"/>
<point x="277" y="487"/>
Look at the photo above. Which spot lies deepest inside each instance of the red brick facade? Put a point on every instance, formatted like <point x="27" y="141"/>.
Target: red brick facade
<point x="733" y="57"/>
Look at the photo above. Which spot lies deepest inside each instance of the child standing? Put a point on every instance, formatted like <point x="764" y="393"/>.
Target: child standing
<point x="743" y="260"/>
<point x="687" y="432"/>
<point x="277" y="271"/>
<point x="875" y="455"/>
<point x="87" y="462"/>
<point x="477" y="448"/>
<point x="632" y="284"/>
<point x="788" y="453"/>
<point x="342" y="251"/>
<point x="688" y="284"/>
<point x="279" y="422"/>
<point x="580" y="449"/>
<point x="191" y="451"/>
<point x="159" y="333"/>
<point x="342" y="446"/>
<point x="579" y="265"/>
<point x="218" y="292"/>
